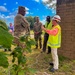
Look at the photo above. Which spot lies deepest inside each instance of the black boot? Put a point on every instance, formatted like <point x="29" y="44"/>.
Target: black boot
<point x="49" y="50"/>
<point x="9" y="49"/>
<point x="5" y="50"/>
<point x="51" y="64"/>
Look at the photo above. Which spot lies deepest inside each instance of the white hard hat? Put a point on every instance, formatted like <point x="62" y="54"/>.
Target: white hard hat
<point x="57" y="18"/>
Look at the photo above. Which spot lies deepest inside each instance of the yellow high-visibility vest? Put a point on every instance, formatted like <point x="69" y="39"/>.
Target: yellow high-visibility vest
<point x="49" y="26"/>
<point x="55" y="41"/>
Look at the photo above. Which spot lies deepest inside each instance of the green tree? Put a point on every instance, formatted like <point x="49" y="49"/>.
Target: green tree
<point x="30" y="19"/>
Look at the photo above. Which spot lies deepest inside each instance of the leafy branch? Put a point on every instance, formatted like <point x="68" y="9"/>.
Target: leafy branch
<point x="19" y="59"/>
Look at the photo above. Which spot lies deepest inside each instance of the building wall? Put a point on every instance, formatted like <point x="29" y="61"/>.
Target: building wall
<point x="66" y="9"/>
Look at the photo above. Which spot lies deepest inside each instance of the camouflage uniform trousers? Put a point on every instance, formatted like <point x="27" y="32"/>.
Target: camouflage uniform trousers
<point x="37" y="38"/>
<point x="17" y="39"/>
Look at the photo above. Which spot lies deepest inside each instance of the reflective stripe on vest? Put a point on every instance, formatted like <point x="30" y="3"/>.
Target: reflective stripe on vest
<point x="55" y="41"/>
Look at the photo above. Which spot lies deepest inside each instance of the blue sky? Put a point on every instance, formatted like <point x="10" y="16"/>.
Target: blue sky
<point x="8" y="9"/>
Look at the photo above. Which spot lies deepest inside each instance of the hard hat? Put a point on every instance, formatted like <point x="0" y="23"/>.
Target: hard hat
<point x="57" y="18"/>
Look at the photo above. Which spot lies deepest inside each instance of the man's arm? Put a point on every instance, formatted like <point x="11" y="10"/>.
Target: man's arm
<point x="25" y="24"/>
<point x="51" y="32"/>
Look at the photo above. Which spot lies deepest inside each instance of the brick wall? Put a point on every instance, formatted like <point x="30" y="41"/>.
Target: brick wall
<point x="66" y="9"/>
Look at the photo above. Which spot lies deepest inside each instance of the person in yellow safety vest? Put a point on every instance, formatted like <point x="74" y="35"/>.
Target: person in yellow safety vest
<point x="54" y="41"/>
<point x="47" y="25"/>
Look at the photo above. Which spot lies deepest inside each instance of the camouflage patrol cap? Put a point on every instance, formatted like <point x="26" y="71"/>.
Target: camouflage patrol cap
<point x="21" y="10"/>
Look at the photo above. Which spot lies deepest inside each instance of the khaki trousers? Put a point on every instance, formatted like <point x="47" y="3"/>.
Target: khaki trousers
<point x="55" y="57"/>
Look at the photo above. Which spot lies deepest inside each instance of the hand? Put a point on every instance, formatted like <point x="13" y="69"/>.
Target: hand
<point x="36" y="32"/>
<point x="43" y="28"/>
<point x="10" y="31"/>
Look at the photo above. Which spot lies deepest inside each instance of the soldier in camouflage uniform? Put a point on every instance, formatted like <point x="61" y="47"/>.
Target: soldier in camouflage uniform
<point x="37" y="32"/>
<point x="21" y="25"/>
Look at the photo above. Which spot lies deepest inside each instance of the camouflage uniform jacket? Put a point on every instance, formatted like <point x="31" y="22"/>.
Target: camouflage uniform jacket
<point x="37" y="27"/>
<point x="21" y="26"/>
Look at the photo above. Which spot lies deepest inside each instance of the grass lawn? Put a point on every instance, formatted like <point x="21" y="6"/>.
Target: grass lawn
<point x="40" y="62"/>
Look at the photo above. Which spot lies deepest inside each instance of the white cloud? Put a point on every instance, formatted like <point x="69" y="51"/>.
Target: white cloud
<point x="26" y="8"/>
<point x="2" y="16"/>
<point x="4" y="4"/>
<point x="16" y="2"/>
<point x="44" y="16"/>
<point x="15" y="11"/>
<point x="37" y="0"/>
<point x="10" y="17"/>
<point x="27" y="12"/>
<point x="45" y="0"/>
<point x="43" y="21"/>
<point x="2" y="8"/>
<point x="31" y="13"/>
<point x="54" y="12"/>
